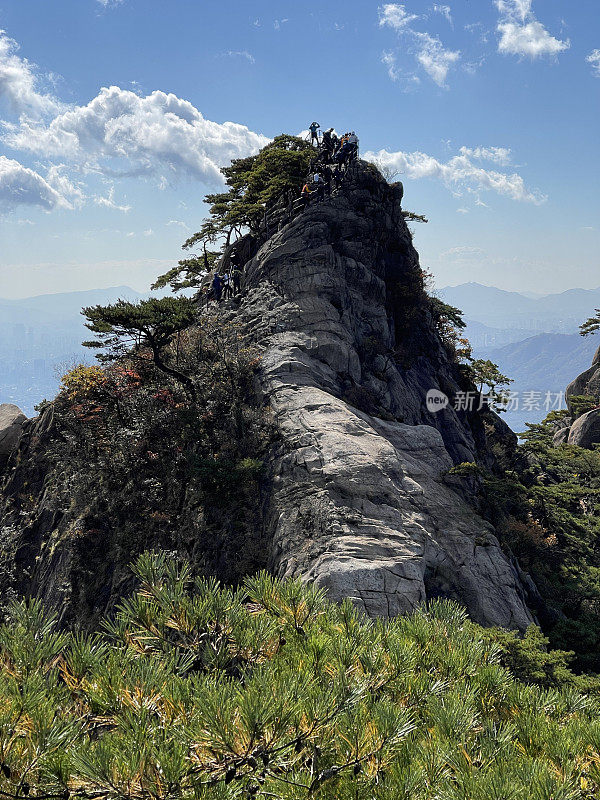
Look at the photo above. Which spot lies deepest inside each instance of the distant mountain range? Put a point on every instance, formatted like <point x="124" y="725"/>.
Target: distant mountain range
<point x="40" y="337"/>
<point x="546" y="361"/>
<point x="481" y="335"/>
<point x="540" y="365"/>
<point x="533" y="338"/>
<point x="496" y="308"/>
<point x="62" y="306"/>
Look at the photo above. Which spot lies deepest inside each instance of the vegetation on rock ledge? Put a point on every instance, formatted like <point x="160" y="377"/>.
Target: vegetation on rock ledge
<point x="147" y="463"/>
<point x="546" y="509"/>
<point x="254" y="184"/>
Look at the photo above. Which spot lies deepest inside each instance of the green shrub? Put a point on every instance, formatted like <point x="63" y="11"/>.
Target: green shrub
<point x="581" y="403"/>
<point x="148" y="463"/>
<point x="547" y="511"/>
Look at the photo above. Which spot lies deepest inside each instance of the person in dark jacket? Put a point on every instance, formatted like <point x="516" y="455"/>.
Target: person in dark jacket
<point x="327" y="177"/>
<point x="227" y="291"/>
<point x="335" y="144"/>
<point x="237" y="280"/>
<point x="328" y="141"/>
<point x="217" y="285"/>
<point x="319" y="185"/>
<point x="314" y="135"/>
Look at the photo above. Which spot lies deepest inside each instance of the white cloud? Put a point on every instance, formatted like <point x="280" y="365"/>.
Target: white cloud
<point x="396" y="16"/>
<point x="434" y="58"/>
<point x="462" y="210"/>
<point x="68" y="190"/>
<point x="21" y="186"/>
<point x="445" y="11"/>
<point x="241" y="54"/>
<point x="120" y="133"/>
<point x="408" y="80"/>
<point x="477" y="28"/>
<point x="429" y="51"/>
<point x="109" y="202"/>
<point x="459" y="174"/>
<point x="498" y="155"/>
<point x="117" y="134"/>
<point x="110" y="3"/>
<point x="389" y="59"/>
<point x="463" y="253"/>
<point x="594" y="60"/>
<point x="19" y="83"/>
<point x="520" y="8"/>
<point x="522" y="34"/>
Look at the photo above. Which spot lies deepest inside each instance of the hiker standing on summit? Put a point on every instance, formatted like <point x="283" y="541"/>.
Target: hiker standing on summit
<point x="314" y="136"/>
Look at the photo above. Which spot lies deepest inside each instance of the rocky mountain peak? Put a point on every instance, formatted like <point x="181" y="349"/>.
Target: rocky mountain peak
<point x="355" y="495"/>
<point x="358" y="501"/>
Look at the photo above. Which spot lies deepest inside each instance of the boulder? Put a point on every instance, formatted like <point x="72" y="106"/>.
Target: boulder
<point x="588" y="383"/>
<point x="560" y="437"/>
<point x="585" y="431"/>
<point x="11" y="424"/>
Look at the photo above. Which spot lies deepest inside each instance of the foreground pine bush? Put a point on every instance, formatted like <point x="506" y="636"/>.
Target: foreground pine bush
<point x="193" y="690"/>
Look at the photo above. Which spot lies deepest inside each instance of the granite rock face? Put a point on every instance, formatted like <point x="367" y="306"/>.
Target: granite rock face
<point x="358" y="502"/>
<point x="585" y="431"/>
<point x="561" y="437"/>
<point x="588" y="383"/>
<point x="11" y="425"/>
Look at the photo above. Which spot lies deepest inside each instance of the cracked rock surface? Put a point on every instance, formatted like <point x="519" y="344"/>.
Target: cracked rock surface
<point x="358" y="501"/>
<point x="357" y="497"/>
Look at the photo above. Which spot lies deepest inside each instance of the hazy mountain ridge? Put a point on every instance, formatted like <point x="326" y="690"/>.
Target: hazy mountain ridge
<point x="552" y="313"/>
<point x="543" y="362"/>
<point x="41" y="334"/>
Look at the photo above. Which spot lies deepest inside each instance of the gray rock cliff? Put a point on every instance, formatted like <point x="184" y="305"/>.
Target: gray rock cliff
<point x="588" y="383"/>
<point x="359" y="503"/>
<point x="585" y="430"/>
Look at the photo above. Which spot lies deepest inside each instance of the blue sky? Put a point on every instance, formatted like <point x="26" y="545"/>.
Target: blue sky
<point x="116" y="115"/>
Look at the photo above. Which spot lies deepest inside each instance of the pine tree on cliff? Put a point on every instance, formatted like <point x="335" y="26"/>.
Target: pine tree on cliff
<point x="126" y="328"/>
<point x="591" y="325"/>
<point x="254" y="184"/>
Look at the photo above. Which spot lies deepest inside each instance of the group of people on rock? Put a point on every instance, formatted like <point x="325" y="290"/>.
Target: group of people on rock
<point x="334" y="149"/>
<point x="227" y="284"/>
<point x="327" y="171"/>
